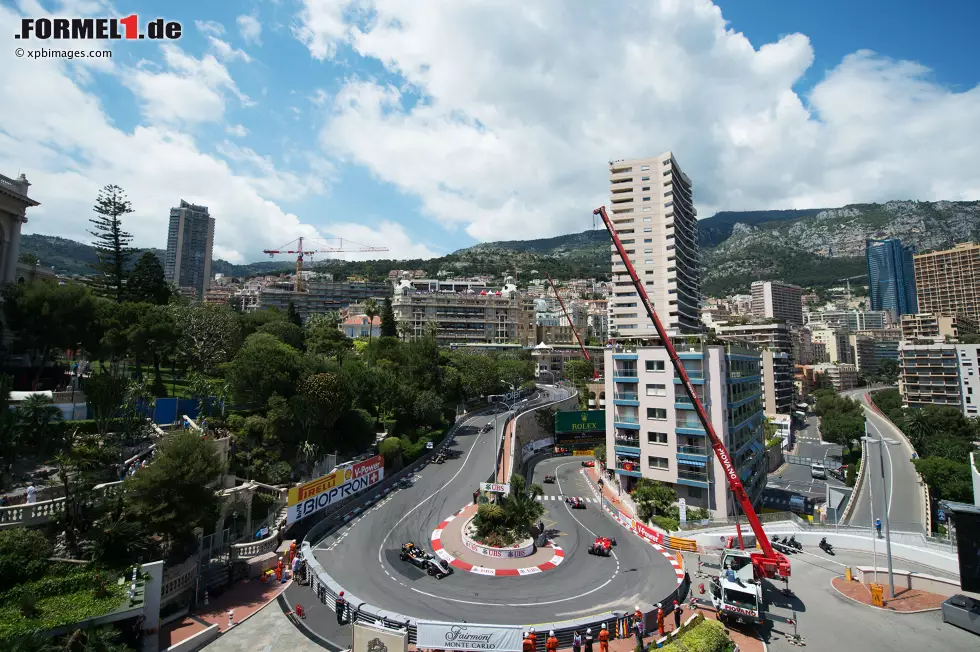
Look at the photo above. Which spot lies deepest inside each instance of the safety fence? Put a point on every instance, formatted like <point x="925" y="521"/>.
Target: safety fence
<point x="327" y="589"/>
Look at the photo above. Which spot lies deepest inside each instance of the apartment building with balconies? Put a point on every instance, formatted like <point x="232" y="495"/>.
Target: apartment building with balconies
<point x="460" y="317"/>
<point x="968" y="356"/>
<point x="653" y="430"/>
<point x="863" y="354"/>
<point x="652" y="211"/>
<point x="929" y="374"/>
<point x="777" y="336"/>
<point x="777" y="300"/>
<point x="842" y="376"/>
<point x="851" y="320"/>
<point x="948" y="282"/>
<point x="777" y="382"/>
<point x="938" y="328"/>
<point x="836" y="342"/>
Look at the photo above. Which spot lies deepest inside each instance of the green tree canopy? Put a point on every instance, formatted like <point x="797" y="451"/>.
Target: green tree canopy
<point x="292" y="315"/>
<point x="264" y="366"/>
<point x="653" y="498"/>
<point x="208" y="335"/>
<point x="146" y="283"/>
<point x="388" y="326"/>
<point x="948" y="478"/>
<point x="285" y="331"/>
<point x="176" y="493"/>
<point x="112" y="243"/>
<point x="46" y="318"/>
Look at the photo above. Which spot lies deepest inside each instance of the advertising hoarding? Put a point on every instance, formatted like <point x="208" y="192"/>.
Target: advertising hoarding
<point x="588" y="452"/>
<point x="580" y="421"/>
<point x="494" y="488"/>
<point x="435" y="635"/>
<point x="313" y="496"/>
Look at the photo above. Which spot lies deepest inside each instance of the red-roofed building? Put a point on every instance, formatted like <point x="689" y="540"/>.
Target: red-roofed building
<point x="355" y="327"/>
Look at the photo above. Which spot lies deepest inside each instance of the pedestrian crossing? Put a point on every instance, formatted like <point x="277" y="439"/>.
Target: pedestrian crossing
<point x="563" y="497"/>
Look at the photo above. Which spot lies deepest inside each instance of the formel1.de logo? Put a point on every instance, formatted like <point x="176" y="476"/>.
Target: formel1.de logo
<point x="97" y="29"/>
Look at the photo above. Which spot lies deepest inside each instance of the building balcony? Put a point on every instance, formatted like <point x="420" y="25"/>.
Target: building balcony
<point x="626" y="396"/>
<point x="618" y="378"/>
<point x="625" y="356"/>
<point x="629" y="451"/>
<point x="627" y="440"/>
<point x="628" y="468"/>
<point x="689" y="427"/>
<point x="694" y="380"/>
<point x="699" y="451"/>
<point x="619" y="400"/>
<point x="692" y="478"/>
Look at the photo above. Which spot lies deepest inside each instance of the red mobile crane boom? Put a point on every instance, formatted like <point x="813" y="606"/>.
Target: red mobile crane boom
<point x="768" y="563"/>
<point x="570" y="322"/>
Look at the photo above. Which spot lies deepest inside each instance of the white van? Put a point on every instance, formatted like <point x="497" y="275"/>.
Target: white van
<point x="817" y="470"/>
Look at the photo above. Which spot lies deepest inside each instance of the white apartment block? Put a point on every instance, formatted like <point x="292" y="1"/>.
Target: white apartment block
<point x="836" y="343"/>
<point x="652" y="430"/>
<point x="651" y="210"/>
<point x="777" y="300"/>
<point x="842" y="376"/>
<point x="969" y="359"/>
<point x="777" y="382"/>
<point x="777" y="336"/>
<point x="852" y="320"/>
<point x="942" y="375"/>
<point x="938" y="328"/>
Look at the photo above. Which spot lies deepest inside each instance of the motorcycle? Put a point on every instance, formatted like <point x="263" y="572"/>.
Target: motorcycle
<point x="794" y="543"/>
<point x="785" y="546"/>
<point x="826" y="547"/>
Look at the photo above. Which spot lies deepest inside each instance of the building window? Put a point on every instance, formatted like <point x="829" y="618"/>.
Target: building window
<point x="644" y="168"/>
<point x="648" y="261"/>
<point x="667" y="162"/>
<point x="657" y="414"/>
<point x="694" y="492"/>
<point x="648" y="251"/>
<point x="656" y="390"/>
<point x="644" y="178"/>
<point x="655" y="365"/>
<point x="668" y="204"/>
<point x="656" y="437"/>
<point x="647" y="219"/>
<point x="646" y="187"/>
<point x="647" y="240"/>
<point x="658" y="462"/>
<point x="646" y="209"/>
<point x="646" y="199"/>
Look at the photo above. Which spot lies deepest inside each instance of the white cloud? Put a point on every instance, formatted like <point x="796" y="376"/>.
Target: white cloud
<point x="383" y="233"/>
<point x="238" y="131"/>
<point x="226" y="52"/>
<point x="261" y="173"/>
<point x="501" y="117"/>
<point x="250" y="28"/>
<point x="209" y="27"/>
<point x="61" y="137"/>
<point x="190" y="91"/>
<point x="321" y="26"/>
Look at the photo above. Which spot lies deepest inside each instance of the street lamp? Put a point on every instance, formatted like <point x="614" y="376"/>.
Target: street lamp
<point x="886" y="495"/>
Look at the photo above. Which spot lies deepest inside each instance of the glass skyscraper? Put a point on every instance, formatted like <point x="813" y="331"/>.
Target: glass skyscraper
<point x="891" y="277"/>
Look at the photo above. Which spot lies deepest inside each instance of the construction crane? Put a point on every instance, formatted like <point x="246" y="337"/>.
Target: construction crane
<point x="300" y="252"/>
<point x="561" y="303"/>
<point x="769" y="563"/>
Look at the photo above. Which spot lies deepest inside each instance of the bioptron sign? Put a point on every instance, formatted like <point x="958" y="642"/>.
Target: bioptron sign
<point x="318" y="494"/>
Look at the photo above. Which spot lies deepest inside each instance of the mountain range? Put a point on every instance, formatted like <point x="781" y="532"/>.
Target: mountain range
<point x="813" y="248"/>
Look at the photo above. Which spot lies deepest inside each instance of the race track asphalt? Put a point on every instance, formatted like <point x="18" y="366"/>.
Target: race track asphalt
<point x="364" y="556"/>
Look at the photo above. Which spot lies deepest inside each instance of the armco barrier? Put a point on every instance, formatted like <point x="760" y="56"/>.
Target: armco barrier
<point x="326" y="588"/>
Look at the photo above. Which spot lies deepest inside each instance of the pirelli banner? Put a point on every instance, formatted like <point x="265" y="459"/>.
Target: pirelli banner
<point x="309" y="498"/>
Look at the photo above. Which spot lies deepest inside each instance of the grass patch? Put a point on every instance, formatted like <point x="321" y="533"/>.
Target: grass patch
<point x="58" y="601"/>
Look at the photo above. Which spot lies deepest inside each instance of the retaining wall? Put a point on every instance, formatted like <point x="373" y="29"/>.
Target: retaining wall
<point x="909" y="580"/>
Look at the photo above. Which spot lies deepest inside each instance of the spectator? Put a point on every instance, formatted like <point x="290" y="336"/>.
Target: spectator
<point x="31" y="494"/>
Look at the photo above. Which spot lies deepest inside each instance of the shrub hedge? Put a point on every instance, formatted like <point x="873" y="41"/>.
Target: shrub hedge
<point x="706" y="636"/>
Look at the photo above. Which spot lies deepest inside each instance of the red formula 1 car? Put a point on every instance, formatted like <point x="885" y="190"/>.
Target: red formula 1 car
<point x="603" y="546"/>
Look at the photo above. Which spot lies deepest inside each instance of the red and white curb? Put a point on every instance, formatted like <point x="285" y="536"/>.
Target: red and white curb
<point x="629" y="524"/>
<point x="436" y="541"/>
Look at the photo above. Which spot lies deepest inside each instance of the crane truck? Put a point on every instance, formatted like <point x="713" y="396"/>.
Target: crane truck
<point x="767" y="563"/>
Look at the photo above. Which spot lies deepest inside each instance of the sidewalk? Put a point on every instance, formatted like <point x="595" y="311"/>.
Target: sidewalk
<point x="908" y="601"/>
<point x="626" y="506"/>
<point x="245" y="598"/>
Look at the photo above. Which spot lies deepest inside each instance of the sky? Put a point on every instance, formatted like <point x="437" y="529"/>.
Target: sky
<point x="425" y="126"/>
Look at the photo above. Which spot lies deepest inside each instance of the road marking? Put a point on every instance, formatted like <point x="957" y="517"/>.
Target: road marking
<point x="425" y="500"/>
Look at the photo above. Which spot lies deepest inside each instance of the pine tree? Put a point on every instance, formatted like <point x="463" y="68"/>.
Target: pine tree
<point x="388" y="326"/>
<point x="146" y="283"/>
<point x="292" y="315"/>
<point x="111" y="242"/>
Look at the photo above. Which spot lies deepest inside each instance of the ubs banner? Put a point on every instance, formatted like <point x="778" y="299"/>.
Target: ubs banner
<point x="318" y="494"/>
<point x="580" y="428"/>
<point x="464" y="636"/>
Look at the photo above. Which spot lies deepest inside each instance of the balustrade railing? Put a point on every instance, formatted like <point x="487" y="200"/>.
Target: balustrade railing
<point x="625" y="396"/>
<point x="255" y="548"/>
<point x="623" y="418"/>
<point x="692" y="450"/>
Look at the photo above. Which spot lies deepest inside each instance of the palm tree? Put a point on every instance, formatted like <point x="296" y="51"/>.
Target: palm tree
<point x="521" y="507"/>
<point x="404" y="330"/>
<point x="372" y="310"/>
<point x="919" y="428"/>
<point x="39" y="421"/>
